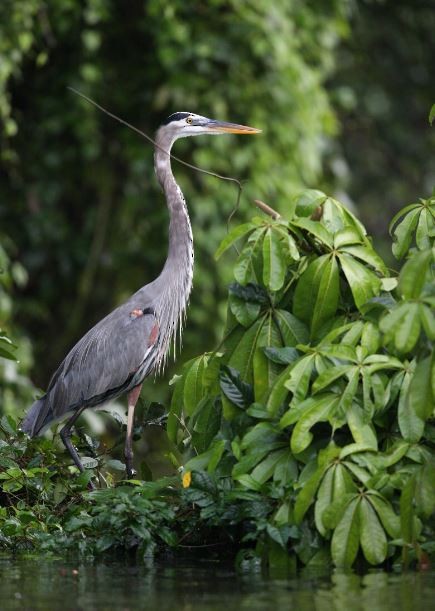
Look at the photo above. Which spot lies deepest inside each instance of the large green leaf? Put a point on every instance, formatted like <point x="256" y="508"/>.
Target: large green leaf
<point x="368" y="255"/>
<point x="265" y="370"/>
<point x="234" y="235"/>
<point x="306" y="494"/>
<point x="424" y="235"/>
<point x="266" y="468"/>
<point x="248" y="266"/>
<point x="411" y="426"/>
<point x="234" y="388"/>
<point x="402" y="325"/>
<point x="407" y="512"/>
<point x="329" y="376"/>
<point x="324" y="499"/>
<point x="279" y="392"/>
<point x="315" y="229"/>
<point x="425" y="489"/>
<point x="373" y="538"/>
<point x="346" y="537"/>
<point x="413" y="274"/>
<point x="420" y="399"/>
<point x="390" y="521"/>
<point x="193" y="388"/>
<point x="274" y="260"/>
<point x="403" y="232"/>
<point x="299" y="378"/>
<point x="293" y="331"/>
<point x="363" y="283"/>
<point x="311" y="411"/>
<point x="362" y="432"/>
<point x="245" y="312"/>
<point x="317" y="292"/>
<point x="243" y="353"/>
<point x="332" y="515"/>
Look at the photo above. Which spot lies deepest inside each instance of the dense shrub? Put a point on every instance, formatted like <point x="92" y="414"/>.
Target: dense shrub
<point x="321" y="396"/>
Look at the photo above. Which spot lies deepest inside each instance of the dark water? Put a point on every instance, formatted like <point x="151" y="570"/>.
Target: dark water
<point x="48" y="584"/>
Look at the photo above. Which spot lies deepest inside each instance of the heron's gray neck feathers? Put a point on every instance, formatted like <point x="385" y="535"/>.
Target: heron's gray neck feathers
<point x="175" y="280"/>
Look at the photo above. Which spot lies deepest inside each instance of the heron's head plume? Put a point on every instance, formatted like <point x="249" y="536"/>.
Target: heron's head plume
<point x="183" y="124"/>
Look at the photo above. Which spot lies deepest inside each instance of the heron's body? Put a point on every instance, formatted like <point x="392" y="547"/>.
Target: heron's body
<point x="116" y="355"/>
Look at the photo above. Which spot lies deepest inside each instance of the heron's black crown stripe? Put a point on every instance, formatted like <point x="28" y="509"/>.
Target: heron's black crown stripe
<point x="176" y="116"/>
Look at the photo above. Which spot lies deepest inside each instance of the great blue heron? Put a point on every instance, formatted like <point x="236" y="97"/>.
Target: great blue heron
<point x="116" y="355"/>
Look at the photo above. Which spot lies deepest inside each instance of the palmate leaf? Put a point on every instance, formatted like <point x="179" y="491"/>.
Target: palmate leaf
<point x="407" y="512"/>
<point x="234" y="388"/>
<point x="418" y="218"/>
<point x="307" y="493"/>
<point x="346" y="537"/>
<point x="274" y="260"/>
<point x="317" y="292"/>
<point x="282" y="356"/>
<point x="372" y="535"/>
<point x="420" y="399"/>
<point x="265" y="370"/>
<point x="266" y="468"/>
<point x="311" y="411"/>
<point x="248" y="266"/>
<point x="390" y="521"/>
<point x="413" y="274"/>
<point x="403" y="231"/>
<point x="425" y="233"/>
<point x="243" y="352"/>
<point x="299" y="378"/>
<point x="410" y="425"/>
<point x="363" y="283"/>
<point x="324" y="499"/>
<point x="245" y="312"/>
<point x="336" y="217"/>
<point x="193" y="386"/>
<point x="315" y="229"/>
<point x="362" y="432"/>
<point x="307" y="202"/>
<point x="293" y="331"/>
<point x="366" y="254"/>
<point x="234" y="235"/>
<point x="425" y="489"/>
<point x="279" y="392"/>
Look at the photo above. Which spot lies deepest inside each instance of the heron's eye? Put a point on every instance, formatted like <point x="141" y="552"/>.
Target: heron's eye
<point x="189" y="120"/>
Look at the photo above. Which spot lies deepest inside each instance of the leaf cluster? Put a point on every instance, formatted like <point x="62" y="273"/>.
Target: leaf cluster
<point x="321" y="394"/>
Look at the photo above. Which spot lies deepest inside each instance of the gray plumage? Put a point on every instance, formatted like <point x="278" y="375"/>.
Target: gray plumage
<point x="116" y="355"/>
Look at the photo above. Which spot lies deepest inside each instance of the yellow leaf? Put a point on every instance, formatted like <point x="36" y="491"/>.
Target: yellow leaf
<point x="187" y="478"/>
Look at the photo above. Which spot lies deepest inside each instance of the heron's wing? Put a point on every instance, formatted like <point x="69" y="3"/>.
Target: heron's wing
<point x="103" y="362"/>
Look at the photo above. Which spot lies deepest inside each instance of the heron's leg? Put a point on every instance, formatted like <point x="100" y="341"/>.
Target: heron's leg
<point x="65" y="435"/>
<point x="132" y="398"/>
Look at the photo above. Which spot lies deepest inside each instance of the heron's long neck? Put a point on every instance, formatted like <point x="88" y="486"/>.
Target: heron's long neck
<point x="175" y="280"/>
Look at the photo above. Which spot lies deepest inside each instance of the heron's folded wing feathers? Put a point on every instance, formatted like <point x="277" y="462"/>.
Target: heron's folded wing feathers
<point x="102" y="361"/>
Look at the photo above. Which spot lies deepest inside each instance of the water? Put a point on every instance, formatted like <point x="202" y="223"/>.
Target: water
<point x="49" y="584"/>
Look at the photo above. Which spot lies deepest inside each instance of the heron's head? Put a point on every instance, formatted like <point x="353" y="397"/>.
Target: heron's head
<point x="182" y="124"/>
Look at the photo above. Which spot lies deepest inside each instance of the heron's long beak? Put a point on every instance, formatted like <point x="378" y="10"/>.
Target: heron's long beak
<point x="230" y="128"/>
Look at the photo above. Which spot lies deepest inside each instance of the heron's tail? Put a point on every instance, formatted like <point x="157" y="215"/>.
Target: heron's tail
<point x="37" y="418"/>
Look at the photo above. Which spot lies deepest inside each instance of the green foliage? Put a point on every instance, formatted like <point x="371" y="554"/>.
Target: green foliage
<point x="71" y="168"/>
<point x="323" y="386"/>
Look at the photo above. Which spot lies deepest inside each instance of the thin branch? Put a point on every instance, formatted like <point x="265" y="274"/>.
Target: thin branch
<point x="267" y="209"/>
